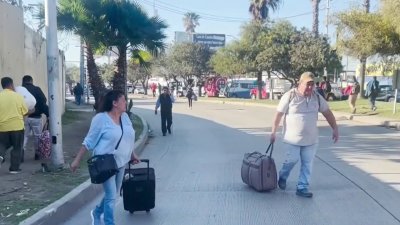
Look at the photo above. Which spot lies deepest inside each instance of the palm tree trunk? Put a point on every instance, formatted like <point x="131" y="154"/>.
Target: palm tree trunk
<point x="366" y="5"/>
<point x="363" y="62"/>
<point x="315" y="17"/>
<point x="96" y="83"/>
<point x="119" y="81"/>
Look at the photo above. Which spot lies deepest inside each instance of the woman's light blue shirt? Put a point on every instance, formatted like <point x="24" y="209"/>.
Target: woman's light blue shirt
<point x="104" y="135"/>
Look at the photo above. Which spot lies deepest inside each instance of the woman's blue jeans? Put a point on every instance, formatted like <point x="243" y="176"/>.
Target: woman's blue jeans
<point x="293" y="153"/>
<point x="111" y="189"/>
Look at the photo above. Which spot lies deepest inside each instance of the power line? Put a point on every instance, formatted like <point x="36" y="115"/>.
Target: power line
<point x="206" y="16"/>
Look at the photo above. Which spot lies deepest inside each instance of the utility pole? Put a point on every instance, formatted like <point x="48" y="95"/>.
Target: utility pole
<point x="54" y="82"/>
<point x="154" y="8"/>
<point x="327" y="16"/>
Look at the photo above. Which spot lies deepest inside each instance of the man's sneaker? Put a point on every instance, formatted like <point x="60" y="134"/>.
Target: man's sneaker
<point x="304" y="193"/>
<point x="95" y="219"/>
<point x="15" y="171"/>
<point x="282" y="184"/>
<point x="169" y="130"/>
<point x="1" y="160"/>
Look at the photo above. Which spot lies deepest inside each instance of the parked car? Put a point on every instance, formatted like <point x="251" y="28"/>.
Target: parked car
<point x="387" y="94"/>
<point x="336" y="93"/>
<point x="139" y="90"/>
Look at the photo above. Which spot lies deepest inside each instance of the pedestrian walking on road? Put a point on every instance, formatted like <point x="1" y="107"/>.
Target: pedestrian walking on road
<point x="110" y="127"/>
<point x="372" y="92"/>
<point x="300" y="107"/>
<point x="34" y="122"/>
<point x="78" y="92"/>
<point x="165" y="100"/>
<point x="153" y="88"/>
<point x="190" y="96"/>
<point x="12" y="112"/>
<point x="355" y="90"/>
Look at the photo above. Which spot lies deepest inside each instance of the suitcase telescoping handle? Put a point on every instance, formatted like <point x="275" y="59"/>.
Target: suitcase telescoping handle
<point x="270" y="147"/>
<point x="142" y="160"/>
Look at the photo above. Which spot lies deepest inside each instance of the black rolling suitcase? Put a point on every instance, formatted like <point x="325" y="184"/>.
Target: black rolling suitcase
<point x="139" y="188"/>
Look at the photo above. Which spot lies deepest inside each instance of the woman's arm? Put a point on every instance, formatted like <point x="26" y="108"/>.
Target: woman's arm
<point x="78" y="158"/>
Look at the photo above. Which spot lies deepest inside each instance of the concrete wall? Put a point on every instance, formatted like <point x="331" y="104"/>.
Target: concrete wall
<point x="23" y="52"/>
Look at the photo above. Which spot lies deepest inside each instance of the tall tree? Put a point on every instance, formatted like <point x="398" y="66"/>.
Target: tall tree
<point x="229" y="61"/>
<point x="390" y="10"/>
<point x="363" y="35"/>
<point x="315" y="5"/>
<point x="128" y="27"/>
<point x="190" y="60"/>
<point x="190" y="22"/>
<point x="363" y="59"/>
<point x="259" y="9"/>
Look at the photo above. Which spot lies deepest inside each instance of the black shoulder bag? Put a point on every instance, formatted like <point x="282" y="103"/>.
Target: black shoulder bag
<point x="102" y="167"/>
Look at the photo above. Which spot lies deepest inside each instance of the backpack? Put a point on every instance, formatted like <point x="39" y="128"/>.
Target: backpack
<point x="292" y="97"/>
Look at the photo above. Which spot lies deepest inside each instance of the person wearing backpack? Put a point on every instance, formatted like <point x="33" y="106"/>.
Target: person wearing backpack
<point x="299" y="109"/>
<point x="372" y="92"/>
<point x="189" y="96"/>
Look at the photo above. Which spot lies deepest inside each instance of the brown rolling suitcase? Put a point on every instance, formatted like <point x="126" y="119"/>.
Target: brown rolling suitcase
<point x="259" y="170"/>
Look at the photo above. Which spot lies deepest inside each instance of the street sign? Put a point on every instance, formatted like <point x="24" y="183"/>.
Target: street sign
<point x="210" y="40"/>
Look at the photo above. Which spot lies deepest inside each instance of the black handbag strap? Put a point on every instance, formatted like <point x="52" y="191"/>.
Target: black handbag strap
<point x="122" y="129"/>
<point x="270" y="147"/>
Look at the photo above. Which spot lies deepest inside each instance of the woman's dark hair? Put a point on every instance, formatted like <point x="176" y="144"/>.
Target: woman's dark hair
<point x="106" y="101"/>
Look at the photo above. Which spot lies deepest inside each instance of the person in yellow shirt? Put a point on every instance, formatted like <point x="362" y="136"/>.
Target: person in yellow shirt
<point x="12" y="112"/>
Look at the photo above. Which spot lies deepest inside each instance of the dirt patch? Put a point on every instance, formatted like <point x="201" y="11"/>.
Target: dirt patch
<point x="24" y="194"/>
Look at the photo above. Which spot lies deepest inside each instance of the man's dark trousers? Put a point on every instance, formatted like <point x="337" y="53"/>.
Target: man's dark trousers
<point x="166" y="121"/>
<point x="16" y="140"/>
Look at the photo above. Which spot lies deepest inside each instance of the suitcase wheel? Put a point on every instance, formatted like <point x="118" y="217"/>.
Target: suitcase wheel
<point x="131" y="211"/>
<point x="148" y="211"/>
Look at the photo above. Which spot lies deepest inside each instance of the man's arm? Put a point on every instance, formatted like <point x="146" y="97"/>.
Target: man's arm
<point x="277" y="121"/>
<point x="158" y="103"/>
<point x="332" y="122"/>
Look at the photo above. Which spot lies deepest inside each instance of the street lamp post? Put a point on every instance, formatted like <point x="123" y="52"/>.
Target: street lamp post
<point x="53" y="77"/>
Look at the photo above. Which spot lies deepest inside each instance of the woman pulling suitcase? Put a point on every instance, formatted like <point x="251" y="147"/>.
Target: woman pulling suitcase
<point x="110" y="127"/>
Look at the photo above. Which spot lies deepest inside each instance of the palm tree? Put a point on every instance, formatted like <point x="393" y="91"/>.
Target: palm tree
<point x="367" y="5"/>
<point x="76" y="17"/>
<point x="190" y="22"/>
<point x="315" y="5"/>
<point x="107" y="23"/>
<point x="129" y="28"/>
<point x="259" y="9"/>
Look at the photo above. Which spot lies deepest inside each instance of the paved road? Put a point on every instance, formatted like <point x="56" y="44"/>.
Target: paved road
<point x="356" y="181"/>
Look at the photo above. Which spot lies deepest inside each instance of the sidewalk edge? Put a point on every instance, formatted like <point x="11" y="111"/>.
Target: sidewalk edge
<point x="376" y="121"/>
<point x="59" y="211"/>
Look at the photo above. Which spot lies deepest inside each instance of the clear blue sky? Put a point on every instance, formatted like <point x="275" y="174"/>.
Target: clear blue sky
<point x="223" y="16"/>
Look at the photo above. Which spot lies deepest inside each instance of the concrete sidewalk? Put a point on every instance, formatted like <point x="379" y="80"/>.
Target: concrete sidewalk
<point x="59" y="211"/>
<point x="365" y="119"/>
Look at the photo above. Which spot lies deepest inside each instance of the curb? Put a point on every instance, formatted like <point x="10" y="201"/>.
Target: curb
<point x="59" y="211"/>
<point x="384" y="122"/>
